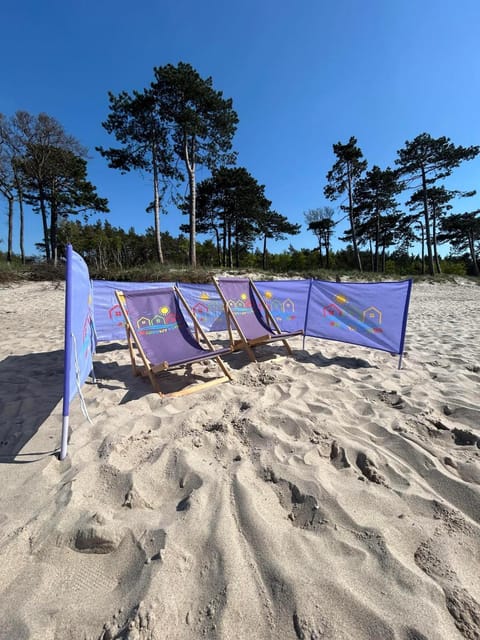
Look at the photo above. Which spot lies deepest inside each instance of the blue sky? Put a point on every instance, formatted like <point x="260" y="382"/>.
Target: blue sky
<point x="302" y="76"/>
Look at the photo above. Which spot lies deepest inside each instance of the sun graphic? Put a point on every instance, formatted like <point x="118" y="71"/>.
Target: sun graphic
<point x="268" y="294"/>
<point x="340" y="299"/>
<point x="164" y="310"/>
<point x="243" y="296"/>
<point x="204" y="296"/>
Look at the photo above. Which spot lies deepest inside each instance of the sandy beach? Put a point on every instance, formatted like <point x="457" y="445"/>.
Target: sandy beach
<point x="324" y="496"/>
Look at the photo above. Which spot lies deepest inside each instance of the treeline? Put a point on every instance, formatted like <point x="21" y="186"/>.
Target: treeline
<point x="110" y="250"/>
<point x="45" y="168"/>
<point x="179" y="123"/>
<point x="376" y="220"/>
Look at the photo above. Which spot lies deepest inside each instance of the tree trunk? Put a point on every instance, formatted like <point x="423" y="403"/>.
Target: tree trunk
<point x="190" y="164"/>
<point x="471" y="246"/>
<point x="219" y="251"/>
<point x="427" y="224"/>
<point x="372" y="255"/>
<point x="377" y="240"/>
<point x="156" y="210"/>
<point x="327" y="249"/>
<point x="264" y="255"/>
<point x="53" y="223"/>
<point x="237" y="246"/>
<point x="434" y="239"/>
<point x="224" y="241"/>
<point x="43" y="211"/>
<point x="53" y="232"/>
<point x="229" y="247"/>
<point x="10" y="229"/>
<point x="352" y="223"/>
<point x="22" y="215"/>
<point x="22" y="227"/>
<point x="423" y="248"/>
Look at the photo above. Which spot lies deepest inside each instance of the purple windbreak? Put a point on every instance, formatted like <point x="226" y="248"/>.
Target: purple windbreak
<point x="287" y="301"/>
<point x="206" y="305"/>
<point x="79" y="337"/>
<point x="371" y="314"/>
<point x="241" y="300"/>
<point x="161" y="327"/>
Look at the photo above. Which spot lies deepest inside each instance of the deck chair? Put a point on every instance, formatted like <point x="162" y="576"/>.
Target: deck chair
<point x="156" y="327"/>
<point x="253" y="321"/>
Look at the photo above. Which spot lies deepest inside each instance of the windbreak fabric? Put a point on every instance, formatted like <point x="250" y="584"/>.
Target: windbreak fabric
<point x="206" y="305"/>
<point x="79" y="334"/>
<point x="368" y="314"/>
<point x="161" y="327"/>
<point x="109" y="323"/>
<point x="287" y="301"/>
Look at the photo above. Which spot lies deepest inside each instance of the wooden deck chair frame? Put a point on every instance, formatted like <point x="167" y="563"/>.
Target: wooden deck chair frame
<point x="244" y="342"/>
<point x="150" y="370"/>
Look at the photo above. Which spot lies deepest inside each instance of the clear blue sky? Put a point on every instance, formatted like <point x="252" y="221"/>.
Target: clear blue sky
<point x="302" y="75"/>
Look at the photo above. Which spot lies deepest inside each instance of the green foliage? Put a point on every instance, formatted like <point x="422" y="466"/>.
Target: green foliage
<point x="341" y="179"/>
<point x="48" y="171"/>
<point x="140" y="126"/>
<point x="201" y="124"/>
<point x="462" y="230"/>
<point x="321" y="222"/>
<point x="426" y="159"/>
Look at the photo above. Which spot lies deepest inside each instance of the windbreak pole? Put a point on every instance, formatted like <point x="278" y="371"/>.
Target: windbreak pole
<point x="67" y="354"/>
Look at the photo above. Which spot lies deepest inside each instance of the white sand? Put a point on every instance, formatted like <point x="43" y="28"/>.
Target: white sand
<point x="327" y="495"/>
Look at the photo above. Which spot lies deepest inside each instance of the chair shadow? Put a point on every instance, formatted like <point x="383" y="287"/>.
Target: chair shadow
<point x="171" y="381"/>
<point x="107" y="347"/>
<point x="264" y="353"/>
<point x="31" y="386"/>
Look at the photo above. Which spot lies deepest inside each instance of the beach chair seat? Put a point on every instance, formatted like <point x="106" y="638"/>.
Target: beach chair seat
<point x="158" y="334"/>
<point x="249" y="316"/>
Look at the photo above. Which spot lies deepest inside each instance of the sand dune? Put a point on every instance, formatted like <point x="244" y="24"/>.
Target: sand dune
<point x="324" y="496"/>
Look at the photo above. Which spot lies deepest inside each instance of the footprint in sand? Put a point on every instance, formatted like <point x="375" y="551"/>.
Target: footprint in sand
<point x="463" y="608"/>
<point x="392" y="399"/>
<point x="338" y="456"/>
<point x="303" y="509"/>
<point x="369" y="470"/>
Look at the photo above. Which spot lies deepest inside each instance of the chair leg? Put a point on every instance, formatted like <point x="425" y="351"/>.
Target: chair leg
<point x="221" y="364"/>
<point x="287" y="347"/>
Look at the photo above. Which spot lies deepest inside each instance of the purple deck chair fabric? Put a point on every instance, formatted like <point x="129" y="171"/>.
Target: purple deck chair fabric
<point x="161" y="328"/>
<point x="242" y="302"/>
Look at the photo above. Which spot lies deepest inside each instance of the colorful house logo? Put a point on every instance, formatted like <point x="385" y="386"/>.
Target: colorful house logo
<point x="282" y="310"/>
<point x="332" y="310"/>
<point x="115" y="314"/>
<point x="353" y="317"/>
<point x="373" y="315"/>
<point x="284" y="306"/>
<point x="200" y="309"/>
<point x="163" y="321"/>
<point x="143" y="322"/>
<point x="241" y="305"/>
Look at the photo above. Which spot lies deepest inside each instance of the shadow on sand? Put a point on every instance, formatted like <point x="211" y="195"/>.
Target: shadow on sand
<point x="342" y="361"/>
<point x="31" y="386"/>
<point x="113" y="376"/>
